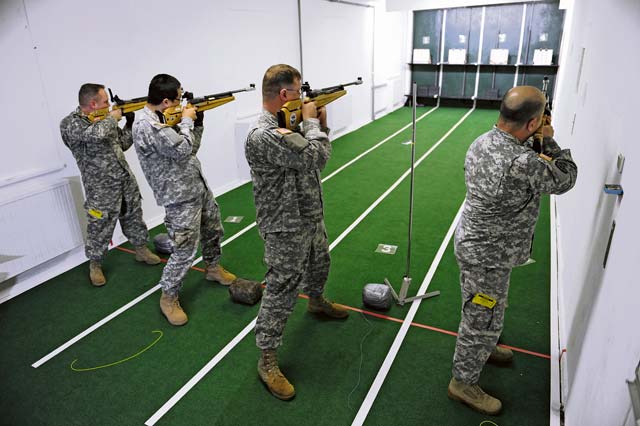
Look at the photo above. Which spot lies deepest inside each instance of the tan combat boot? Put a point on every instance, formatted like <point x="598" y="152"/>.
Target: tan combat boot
<point x="143" y="254"/>
<point x="95" y="273"/>
<point x="219" y="274"/>
<point x="320" y="305"/>
<point x="170" y="307"/>
<point x="501" y="355"/>
<point x="271" y="375"/>
<point x="474" y="397"/>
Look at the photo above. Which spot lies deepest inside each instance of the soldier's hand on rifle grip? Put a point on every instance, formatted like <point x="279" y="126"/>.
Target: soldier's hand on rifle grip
<point x="322" y="116"/>
<point x="189" y="111"/>
<point x="130" y="117"/>
<point x="309" y="110"/>
<point x="116" y="113"/>
<point x="198" y="122"/>
<point x="547" y="131"/>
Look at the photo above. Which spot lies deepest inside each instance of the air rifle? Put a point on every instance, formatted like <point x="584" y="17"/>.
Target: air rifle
<point x="173" y="115"/>
<point x="291" y="113"/>
<point x="126" y="106"/>
<point x="546" y="117"/>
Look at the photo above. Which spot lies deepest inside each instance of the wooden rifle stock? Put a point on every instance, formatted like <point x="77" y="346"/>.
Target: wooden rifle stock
<point x="290" y="115"/>
<point x="126" y="106"/>
<point x="173" y="115"/>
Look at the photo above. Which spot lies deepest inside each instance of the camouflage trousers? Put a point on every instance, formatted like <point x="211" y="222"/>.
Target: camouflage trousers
<point x="104" y="207"/>
<point x="296" y="261"/>
<point x="188" y="224"/>
<point x="480" y="326"/>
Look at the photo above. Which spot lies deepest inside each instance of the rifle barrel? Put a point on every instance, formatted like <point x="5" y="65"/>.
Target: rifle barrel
<point x="193" y="100"/>
<point x="331" y="89"/>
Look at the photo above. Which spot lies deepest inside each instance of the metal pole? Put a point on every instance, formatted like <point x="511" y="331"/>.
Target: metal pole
<point x="300" y="39"/>
<point x="413" y="156"/>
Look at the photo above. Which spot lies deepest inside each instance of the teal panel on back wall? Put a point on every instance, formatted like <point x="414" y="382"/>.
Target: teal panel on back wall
<point x="502" y="25"/>
<point x="427" y="26"/>
<point x="463" y="32"/>
<point x="427" y="29"/>
<point x="458" y="81"/>
<point x="425" y="75"/>
<point x="495" y="77"/>
<point x="543" y="30"/>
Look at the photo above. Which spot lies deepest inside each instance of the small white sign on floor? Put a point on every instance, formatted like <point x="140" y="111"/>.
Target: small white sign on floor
<point x="386" y="249"/>
<point x="234" y="219"/>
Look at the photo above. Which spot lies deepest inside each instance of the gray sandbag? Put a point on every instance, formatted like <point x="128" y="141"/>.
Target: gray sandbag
<point x="377" y="296"/>
<point x="245" y="291"/>
<point x="162" y="244"/>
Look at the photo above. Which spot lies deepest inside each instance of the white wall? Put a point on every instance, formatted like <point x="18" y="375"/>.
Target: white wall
<point x="595" y="115"/>
<point x="393" y="47"/>
<point x="337" y="42"/>
<point x="54" y="47"/>
<point x="51" y="48"/>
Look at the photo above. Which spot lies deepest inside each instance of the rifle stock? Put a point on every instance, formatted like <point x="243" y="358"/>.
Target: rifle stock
<point x="173" y="115"/>
<point x="99" y="114"/>
<point x="290" y="115"/>
<point x="126" y="106"/>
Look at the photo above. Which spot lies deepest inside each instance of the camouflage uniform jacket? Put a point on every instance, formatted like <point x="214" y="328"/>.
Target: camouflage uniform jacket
<point x="504" y="179"/>
<point x="285" y="169"/>
<point x="168" y="157"/>
<point x="98" y="149"/>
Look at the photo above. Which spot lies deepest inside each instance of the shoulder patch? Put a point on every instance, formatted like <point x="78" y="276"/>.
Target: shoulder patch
<point x="283" y="131"/>
<point x="159" y="125"/>
<point x="295" y="141"/>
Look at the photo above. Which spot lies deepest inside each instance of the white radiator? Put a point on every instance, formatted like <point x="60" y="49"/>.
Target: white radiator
<point x="37" y="226"/>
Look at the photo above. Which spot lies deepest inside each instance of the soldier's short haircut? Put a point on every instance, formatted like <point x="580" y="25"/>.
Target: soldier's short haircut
<point x="519" y="113"/>
<point x="276" y="78"/>
<point x="88" y="92"/>
<point x="163" y="86"/>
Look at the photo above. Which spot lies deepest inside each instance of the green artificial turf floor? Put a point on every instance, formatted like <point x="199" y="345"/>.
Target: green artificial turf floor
<point x="331" y="363"/>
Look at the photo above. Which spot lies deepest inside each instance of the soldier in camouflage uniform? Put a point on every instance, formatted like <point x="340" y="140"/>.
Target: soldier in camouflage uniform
<point x="505" y="178"/>
<point x="168" y="158"/>
<point x="285" y="169"/>
<point x="111" y="190"/>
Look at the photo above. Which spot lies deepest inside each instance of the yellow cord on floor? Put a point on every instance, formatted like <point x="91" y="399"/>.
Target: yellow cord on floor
<point x="122" y="360"/>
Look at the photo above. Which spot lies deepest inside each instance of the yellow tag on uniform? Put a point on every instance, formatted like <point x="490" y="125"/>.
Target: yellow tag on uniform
<point x="95" y="213"/>
<point x="484" y="300"/>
